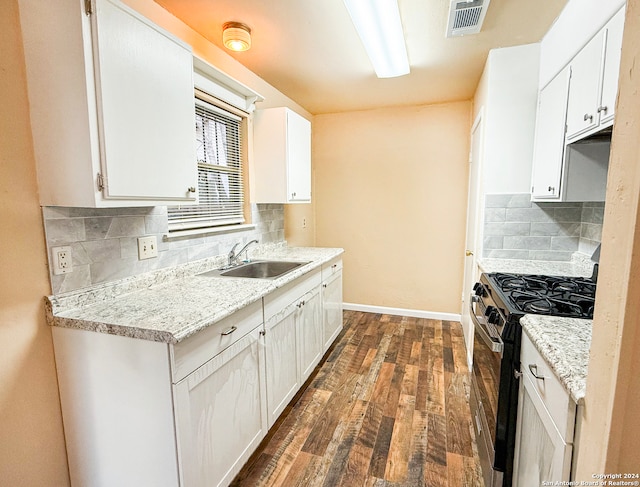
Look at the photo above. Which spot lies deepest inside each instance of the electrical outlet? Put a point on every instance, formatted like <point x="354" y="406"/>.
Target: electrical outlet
<point x="147" y="247"/>
<point x="61" y="258"/>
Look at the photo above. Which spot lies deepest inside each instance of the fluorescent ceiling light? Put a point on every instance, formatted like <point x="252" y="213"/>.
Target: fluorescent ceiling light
<point x="380" y="30"/>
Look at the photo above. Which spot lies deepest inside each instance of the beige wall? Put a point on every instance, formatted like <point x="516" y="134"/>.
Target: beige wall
<point x="391" y="188"/>
<point x="32" y="451"/>
<point x="610" y="441"/>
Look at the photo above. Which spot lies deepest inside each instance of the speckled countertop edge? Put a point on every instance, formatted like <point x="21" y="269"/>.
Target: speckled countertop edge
<point x="171" y="305"/>
<point x="564" y="344"/>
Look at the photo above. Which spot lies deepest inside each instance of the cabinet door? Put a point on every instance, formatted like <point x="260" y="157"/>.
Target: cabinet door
<point x="541" y="453"/>
<point x="144" y="89"/>
<point x="220" y="413"/>
<point x="611" y="70"/>
<point x="298" y="157"/>
<point x="309" y="320"/>
<point x="584" y="93"/>
<point x="332" y="308"/>
<point x="281" y="342"/>
<point x="548" y="150"/>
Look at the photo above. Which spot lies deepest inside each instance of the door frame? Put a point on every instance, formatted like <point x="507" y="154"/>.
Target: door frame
<point x="473" y="226"/>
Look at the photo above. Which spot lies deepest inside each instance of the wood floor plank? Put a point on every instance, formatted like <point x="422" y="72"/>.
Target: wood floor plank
<point x="381" y="447"/>
<point x="387" y="407"/>
<point x="437" y="439"/>
<point x="399" y="448"/>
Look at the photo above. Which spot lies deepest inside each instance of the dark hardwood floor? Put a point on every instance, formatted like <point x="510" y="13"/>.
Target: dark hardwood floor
<point x="388" y="407"/>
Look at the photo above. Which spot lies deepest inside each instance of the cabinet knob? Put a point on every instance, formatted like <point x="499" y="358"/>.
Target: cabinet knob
<point x="293" y="195"/>
<point x="468" y="253"/>
<point x="324" y="286"/>
<point x="551" y="189"/>
<point x="588" y="117"/>
<point x="191" y="189"/>
<point x="602" y="109"/>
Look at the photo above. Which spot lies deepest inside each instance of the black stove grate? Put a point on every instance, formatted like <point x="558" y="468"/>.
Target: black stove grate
<point x="549" y="295"/>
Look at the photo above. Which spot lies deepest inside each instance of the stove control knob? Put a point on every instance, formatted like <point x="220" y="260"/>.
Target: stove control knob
<point x="478" y="289"/>
<point x="492" y="314"/>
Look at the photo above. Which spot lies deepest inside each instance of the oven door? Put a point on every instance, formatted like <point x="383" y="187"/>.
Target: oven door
<point x="487" y="363"/>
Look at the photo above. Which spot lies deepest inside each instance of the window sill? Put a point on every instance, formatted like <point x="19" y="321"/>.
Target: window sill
<point x="202" y="232"/>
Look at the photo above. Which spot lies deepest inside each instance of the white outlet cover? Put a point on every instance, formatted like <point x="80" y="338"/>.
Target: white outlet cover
<point x="61" y="260"/>
<point x="147" y="247"/>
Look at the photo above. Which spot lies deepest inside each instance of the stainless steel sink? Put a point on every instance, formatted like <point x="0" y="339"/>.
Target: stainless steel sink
<point x="260" y="269"/>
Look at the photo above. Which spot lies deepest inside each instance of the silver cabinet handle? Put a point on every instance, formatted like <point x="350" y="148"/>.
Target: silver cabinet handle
<point x="588" y="117"/>
<point x="517" y="374"/>
<point x="191" y="189"/>
<point x="602" y="109"/>
<point x="533" y="368"/>
<point x="229" y="331"/>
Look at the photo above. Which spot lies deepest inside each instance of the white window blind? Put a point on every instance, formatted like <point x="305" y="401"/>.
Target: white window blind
<point x="219" y="158"/>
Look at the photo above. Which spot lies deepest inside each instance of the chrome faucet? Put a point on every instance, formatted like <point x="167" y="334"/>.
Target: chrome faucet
<point x="233" y="256"/>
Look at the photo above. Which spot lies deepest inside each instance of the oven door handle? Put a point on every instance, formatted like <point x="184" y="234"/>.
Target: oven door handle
<point x="494" y="343"/>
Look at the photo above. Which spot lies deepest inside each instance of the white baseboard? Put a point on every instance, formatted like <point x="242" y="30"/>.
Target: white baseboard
<point x="415" y="313"/>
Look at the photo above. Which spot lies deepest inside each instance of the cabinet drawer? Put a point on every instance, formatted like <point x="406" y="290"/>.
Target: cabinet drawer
<point x="330" y="268"/>
<point x="555" y="398"/>
<point x="281" y="298"/>
<point x="191" y="353"/>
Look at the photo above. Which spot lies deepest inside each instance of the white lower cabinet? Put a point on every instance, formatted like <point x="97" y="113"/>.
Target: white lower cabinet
<point x="546" y="420"/>
<point x="309" y="320"/>
<point x="190" y="414"/>
<point x="281" y="344"/>
<point x="331" y="301"/>
<point x="293" y="339"/>
<point x="220" y="413"/>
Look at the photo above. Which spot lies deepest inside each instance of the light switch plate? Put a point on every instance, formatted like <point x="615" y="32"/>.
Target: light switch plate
<point x="147" y="247"/>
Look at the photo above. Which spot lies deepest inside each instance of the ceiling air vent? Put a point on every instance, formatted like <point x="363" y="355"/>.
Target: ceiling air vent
<point x="466" y="17"/>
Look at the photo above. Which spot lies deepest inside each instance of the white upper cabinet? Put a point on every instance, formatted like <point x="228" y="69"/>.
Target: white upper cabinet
<point x="594" y="81"/>
<point x="548" y="149"/>
<point x="611" y="70"/>
<point x="282" y="156"/>
<point x="112" y="106"/>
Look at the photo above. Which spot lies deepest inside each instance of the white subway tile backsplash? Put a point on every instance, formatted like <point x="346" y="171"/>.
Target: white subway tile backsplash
<point x="539" y="231"/>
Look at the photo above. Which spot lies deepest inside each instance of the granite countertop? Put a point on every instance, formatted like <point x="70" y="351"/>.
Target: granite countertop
<point x="580" y="266"/>
<point x="173" y="304"/>
<point x="564" y="344"/>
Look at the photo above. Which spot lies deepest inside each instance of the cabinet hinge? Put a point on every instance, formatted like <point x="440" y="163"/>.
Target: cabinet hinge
<point x="88" y="8"/>
<point x="100" y="181"/>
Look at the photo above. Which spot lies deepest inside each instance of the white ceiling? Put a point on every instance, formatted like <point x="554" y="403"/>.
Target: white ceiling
<point x="310" y="51"/>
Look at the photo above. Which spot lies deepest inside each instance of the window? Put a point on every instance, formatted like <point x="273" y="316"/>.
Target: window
<point x="220" y="179"/>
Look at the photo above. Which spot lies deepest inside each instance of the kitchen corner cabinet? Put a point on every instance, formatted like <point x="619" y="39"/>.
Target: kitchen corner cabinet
<point x="545" y="426"/>
<point x="548" y="150"/>
<point x="282" y="156"/>
<point x="594" y="81"/>
<point x="331" y="301"/>
<point x="112" y="105"/>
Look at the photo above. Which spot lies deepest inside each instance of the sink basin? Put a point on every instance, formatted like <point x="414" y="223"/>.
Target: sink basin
<point x="260" y="269"/>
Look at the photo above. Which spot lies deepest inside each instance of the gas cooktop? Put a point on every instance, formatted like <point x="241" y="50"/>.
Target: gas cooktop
<point x="548" y="295"/>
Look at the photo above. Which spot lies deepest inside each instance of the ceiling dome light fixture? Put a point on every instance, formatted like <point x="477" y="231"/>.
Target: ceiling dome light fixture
<point x="236" y="36"/>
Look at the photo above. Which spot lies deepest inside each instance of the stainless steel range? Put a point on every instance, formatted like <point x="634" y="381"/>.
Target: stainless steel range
<point x="497" y="304"/>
